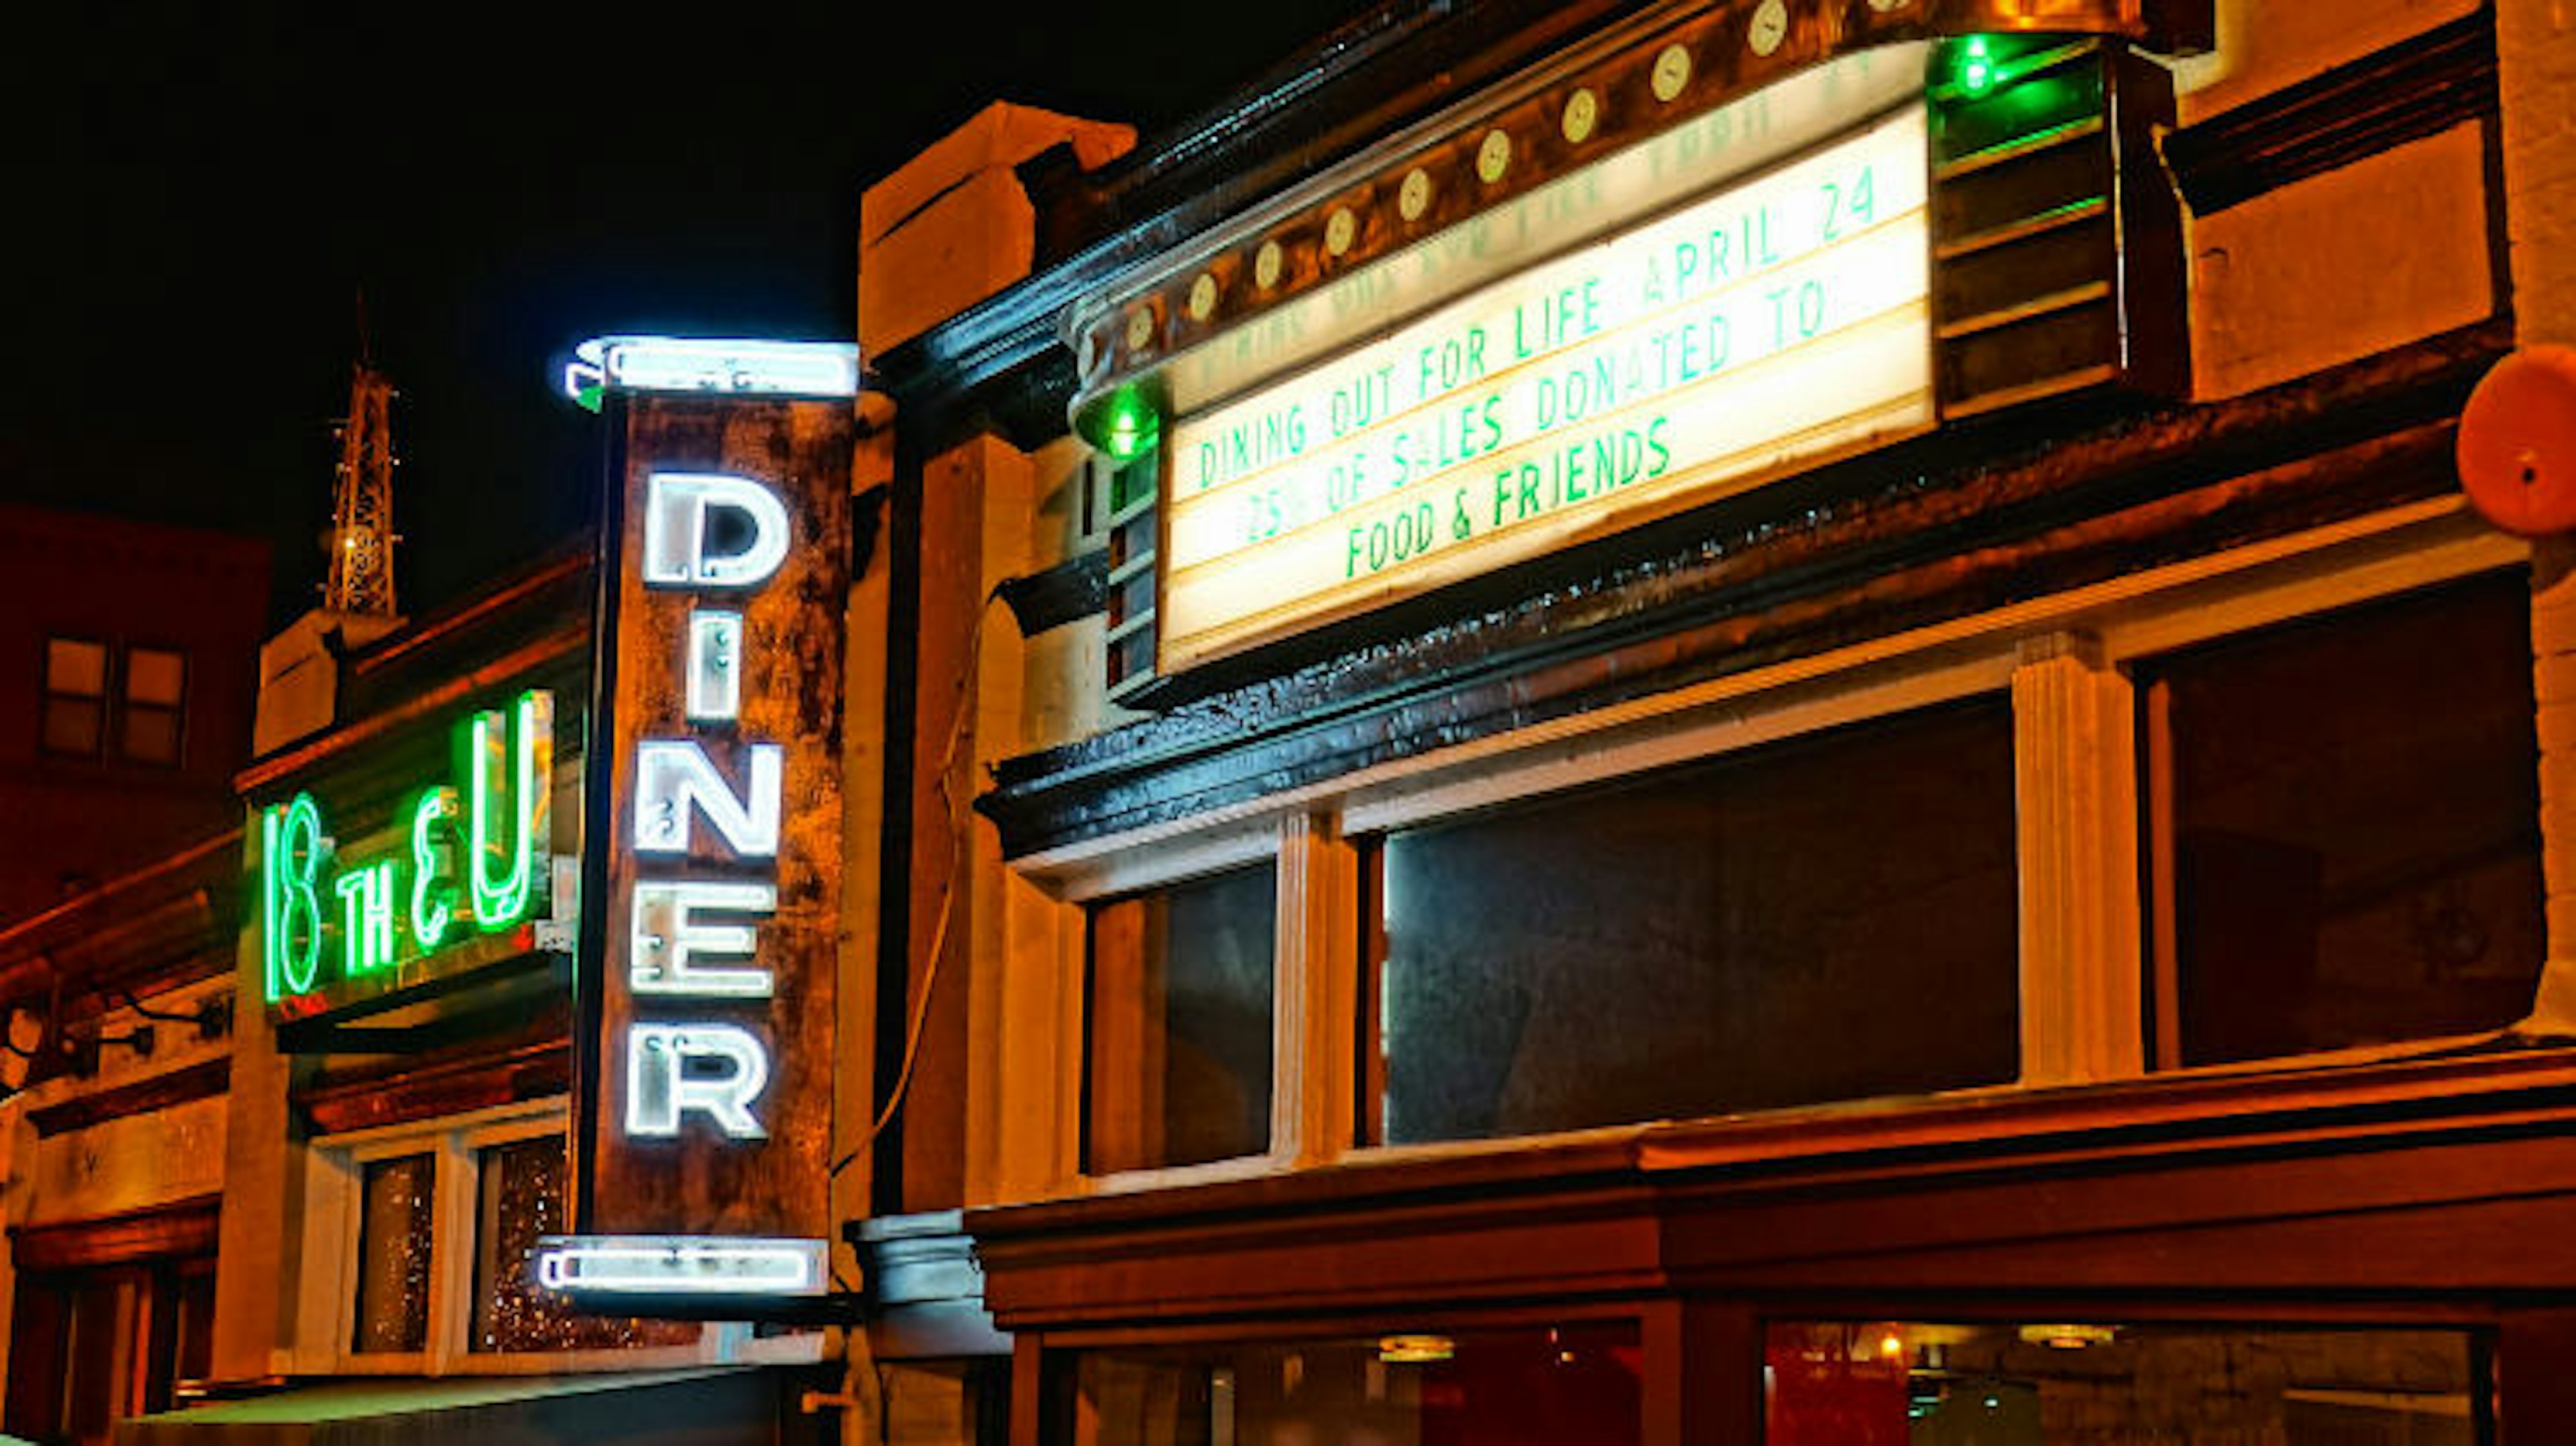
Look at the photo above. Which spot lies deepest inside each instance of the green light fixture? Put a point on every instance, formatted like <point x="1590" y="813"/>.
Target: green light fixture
<point x="1977" y="70"/>
<point x="1126" y="423"/>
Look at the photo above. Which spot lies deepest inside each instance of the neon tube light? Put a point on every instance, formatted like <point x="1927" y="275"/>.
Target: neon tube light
<point x="710" y="365"/>
<point x="664" y="1265"/>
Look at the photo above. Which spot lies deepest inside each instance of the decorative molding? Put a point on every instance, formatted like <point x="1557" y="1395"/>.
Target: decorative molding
<point x="481" y="1079"/>
<point x="2417" y="88"/>
<point x="143" y="1096"/>
<point x="2424" y="1175"/>
<point x="186" y="1227"/>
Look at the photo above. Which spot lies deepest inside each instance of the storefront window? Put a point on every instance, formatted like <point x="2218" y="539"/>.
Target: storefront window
<point x="1911" y="1383"/>
<point x="1574" y="1384"/>
<point x="1830" y="918"/>
<point x="1179" y="1024"/>
<point x="394" y="1254"/>
<point x="520" y="1193"/>
<point x="2346" y="828"/>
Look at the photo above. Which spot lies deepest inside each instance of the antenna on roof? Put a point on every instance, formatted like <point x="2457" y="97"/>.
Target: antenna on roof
<point x="361" y="540"/>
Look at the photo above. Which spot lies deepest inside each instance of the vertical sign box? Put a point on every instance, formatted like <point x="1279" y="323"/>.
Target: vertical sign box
<point x="712" y="895"/>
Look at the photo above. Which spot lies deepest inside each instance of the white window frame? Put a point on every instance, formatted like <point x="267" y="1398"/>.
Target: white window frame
<point x="335" y="1205"/>
<point x="2064" y="659"/>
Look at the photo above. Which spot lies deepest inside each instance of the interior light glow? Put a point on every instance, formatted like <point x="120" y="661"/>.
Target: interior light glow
<point x="663" y="1265"/>
<point x="2066" y="1337"/>
<point x="744" y="367"/>
<point x="1415" y="1350"/>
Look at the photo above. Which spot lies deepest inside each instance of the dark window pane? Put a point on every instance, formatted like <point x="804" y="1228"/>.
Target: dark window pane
<point x="1574" y="1384"/>
<point x="521" y="1198"/>
<point x="1831" y="918"/>
<point x="1180" y="1003"/>
<point x="394" y="1255"/>
<point x="1912" y="1383"/>
<point x="151" y="735"/>
<point x="72" y="725"/>
<point x="2351" y="848"/>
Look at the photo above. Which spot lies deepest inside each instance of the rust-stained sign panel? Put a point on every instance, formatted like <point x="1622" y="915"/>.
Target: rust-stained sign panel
<point x="712" y="886"/>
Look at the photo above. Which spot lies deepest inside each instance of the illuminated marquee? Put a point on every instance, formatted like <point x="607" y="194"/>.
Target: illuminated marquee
<point x="711" y="924"/>
<point x="472" y="857"/>
<point x="1768" y="326"/>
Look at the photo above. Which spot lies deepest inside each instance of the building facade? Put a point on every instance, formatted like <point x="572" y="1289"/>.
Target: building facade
<point x="1770" y="721"/>
<point x="1747" y="722"/>
<point x="128" y="699"/>
<point x="128" y="693"/>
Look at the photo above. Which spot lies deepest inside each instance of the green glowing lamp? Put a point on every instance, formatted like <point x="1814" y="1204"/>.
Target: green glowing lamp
<point x="1977" y="71"/>
<point x="1128" y="427"/>
<point x="1126" y="423"/>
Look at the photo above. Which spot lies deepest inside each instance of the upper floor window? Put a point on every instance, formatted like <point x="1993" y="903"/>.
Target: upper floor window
<point x="127" y="703"/>
<point x="1181" y="994"/>
<point x="75" y="720"/>
<point x="2344" y="828"/>
<point x="1827" y="918"/>
<point x="153" y="688"/>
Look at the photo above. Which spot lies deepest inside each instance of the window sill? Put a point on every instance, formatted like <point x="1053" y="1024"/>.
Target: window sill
<point x="2422" y="1088"/>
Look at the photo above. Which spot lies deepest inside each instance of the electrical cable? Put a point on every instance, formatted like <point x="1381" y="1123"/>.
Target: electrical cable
<point x="915" y="1027"/>
<point x="164" y="1016"/>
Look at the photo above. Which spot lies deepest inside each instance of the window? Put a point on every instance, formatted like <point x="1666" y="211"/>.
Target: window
<point x="443" y="1221"/>
<point x="2345" y="828"/>
<point x="520" y="1197"/>
<point x="396" y="1245"/>
<point x="1828" y="918"/>
<point x="1571" y="1384"/>
<point x="75" y="720"/>
<point x="149" y="711"/>
<point x="1914" y="1383"/>
<point x="148" y="688"/>
<point x="1179" y="1057"/>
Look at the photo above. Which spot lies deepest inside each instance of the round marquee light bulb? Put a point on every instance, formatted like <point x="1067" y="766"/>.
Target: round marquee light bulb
<point x="1140" y="329"/>
<point x="1203" y="297"/>
<point x="1672" y="72"/>
<point x="1340" y="230"/>
<point x="1414" y="196"/>
<point x="1582" y="114"/>
<point x="1770" y="27"/>
<point x="1494" y="156"/>
<point x="1267" y="264"/>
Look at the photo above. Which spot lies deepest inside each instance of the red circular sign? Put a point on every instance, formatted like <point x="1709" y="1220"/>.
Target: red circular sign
<point x="2518" y="443"/>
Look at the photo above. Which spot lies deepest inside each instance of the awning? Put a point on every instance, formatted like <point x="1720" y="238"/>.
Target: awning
<point x="716" y="1406"/>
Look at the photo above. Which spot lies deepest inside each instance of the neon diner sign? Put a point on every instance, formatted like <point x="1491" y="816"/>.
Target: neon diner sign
<point x="686" y="936"/>
<point x="472" y="857"/>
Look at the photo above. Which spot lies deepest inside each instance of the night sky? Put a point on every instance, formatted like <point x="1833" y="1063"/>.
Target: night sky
<point x="198" y="195"/>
